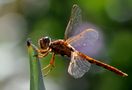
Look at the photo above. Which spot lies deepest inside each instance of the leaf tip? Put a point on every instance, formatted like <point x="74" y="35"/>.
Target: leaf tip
<point x="28" y="42"/>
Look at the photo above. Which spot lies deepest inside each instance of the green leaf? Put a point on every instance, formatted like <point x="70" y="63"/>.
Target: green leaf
<point x="36" y="78"/>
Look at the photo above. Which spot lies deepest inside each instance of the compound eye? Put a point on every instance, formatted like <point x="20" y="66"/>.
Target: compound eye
<point x="44" y="42"/>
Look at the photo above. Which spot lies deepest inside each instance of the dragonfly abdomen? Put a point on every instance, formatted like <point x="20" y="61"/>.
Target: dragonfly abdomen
<point x="104" y="65"/>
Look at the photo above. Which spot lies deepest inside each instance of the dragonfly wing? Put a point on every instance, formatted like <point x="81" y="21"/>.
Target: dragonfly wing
<point x="87" y="42"/>
<point x="75" y="20"/>
<point x="78" y="66"/>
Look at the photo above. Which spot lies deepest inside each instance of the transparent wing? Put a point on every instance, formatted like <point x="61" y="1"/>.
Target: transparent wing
<point x="87" y="42"/>
<point x="78" y="66"/>
<point x="75" y="20"/>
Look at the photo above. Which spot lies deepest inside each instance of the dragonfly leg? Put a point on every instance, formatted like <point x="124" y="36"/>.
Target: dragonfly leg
<point x="50" y="66"/>
<point x="42" y="50"/>
<point x="40" y="55"/>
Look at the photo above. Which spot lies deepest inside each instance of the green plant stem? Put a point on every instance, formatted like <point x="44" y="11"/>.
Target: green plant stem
<point x="36" y="78"/>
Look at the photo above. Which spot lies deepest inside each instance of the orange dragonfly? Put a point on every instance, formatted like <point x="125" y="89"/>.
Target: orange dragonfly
<point x="80" y="63"/>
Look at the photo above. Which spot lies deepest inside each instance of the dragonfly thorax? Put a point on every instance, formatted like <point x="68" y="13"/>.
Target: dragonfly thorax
<point x="61" y="47"/>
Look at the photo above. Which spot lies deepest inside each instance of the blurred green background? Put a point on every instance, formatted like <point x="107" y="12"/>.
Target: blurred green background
<point x="22" y="19"/>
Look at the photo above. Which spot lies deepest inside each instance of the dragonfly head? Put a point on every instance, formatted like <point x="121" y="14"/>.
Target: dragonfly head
<point x="44" y="42"/>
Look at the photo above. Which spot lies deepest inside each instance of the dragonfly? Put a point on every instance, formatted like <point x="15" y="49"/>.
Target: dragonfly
<point x="80" y="63"/>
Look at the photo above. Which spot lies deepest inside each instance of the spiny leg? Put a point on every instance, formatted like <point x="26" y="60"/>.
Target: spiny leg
<point x="40" y="55"/>
<point x="43" y="52"/>
<point x="50" y="66"/>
